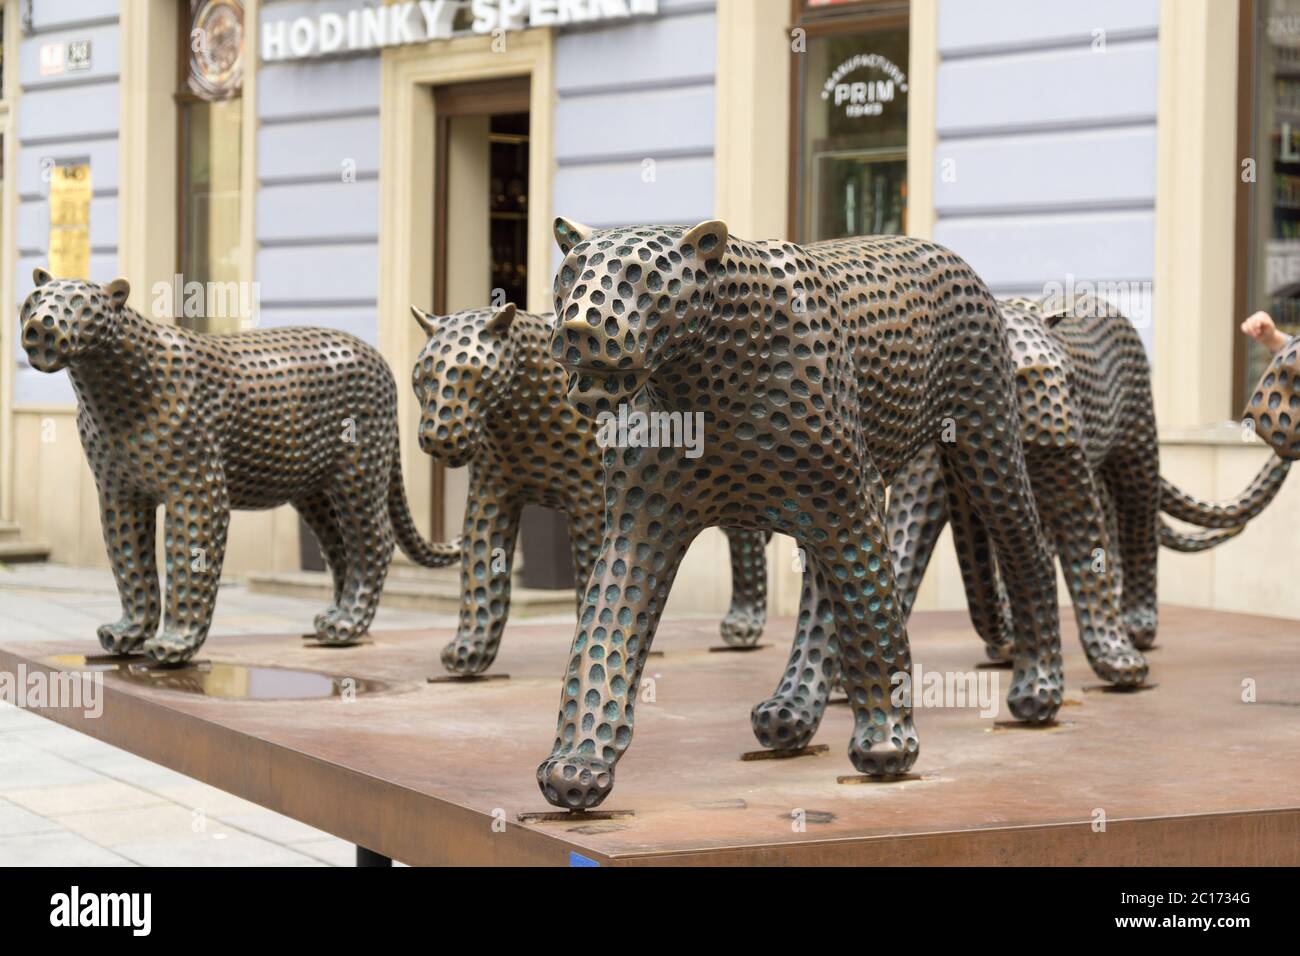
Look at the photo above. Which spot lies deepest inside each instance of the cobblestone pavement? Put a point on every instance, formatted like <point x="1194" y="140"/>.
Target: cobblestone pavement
<point x="69" y="800"/>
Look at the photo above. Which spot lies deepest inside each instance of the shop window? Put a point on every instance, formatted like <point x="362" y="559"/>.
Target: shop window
<point x="850" y="85"/>
<point x="508" y="215"/>
<point x="210" y="132"/>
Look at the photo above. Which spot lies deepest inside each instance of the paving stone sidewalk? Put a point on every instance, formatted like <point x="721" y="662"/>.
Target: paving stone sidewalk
<point x="70" y="800"/>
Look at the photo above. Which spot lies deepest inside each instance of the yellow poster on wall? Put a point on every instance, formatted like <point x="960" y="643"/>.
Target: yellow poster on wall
<point x="70" y="221"/>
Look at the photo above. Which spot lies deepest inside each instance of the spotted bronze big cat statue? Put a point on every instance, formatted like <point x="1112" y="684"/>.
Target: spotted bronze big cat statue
<point x="1089" y="431"/>
<point x="1274" y="406"/>
<point x="202" y="424"/>
<point x="821" y="371"/>
<point x="492" y="398"/>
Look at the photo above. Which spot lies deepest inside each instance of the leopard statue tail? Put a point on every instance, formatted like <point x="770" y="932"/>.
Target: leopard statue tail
<point x="1225" y="514"/>
<point x="423" y="553"/>
<point x="1190" y="541"/>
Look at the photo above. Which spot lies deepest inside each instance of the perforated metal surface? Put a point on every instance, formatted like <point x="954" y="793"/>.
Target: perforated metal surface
<point x="492" y="398"/>
<point x="202" y="424"/>
<point x="1274" y="406"/>
<point x="1088" y="421"/>
<point x="821" y="371"/>
<point x="447" y="772"/>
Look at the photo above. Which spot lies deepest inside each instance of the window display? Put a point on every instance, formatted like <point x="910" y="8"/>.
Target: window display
<point x="211" y="105"/>
<point x="852" y="120"/>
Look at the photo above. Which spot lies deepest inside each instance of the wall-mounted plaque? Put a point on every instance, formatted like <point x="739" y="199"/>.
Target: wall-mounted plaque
<point x="216" y="63"/>
<point x="70" y="221"/>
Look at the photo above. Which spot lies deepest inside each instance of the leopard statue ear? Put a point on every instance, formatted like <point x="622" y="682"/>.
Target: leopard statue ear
<point x="500" y="323"/>
<point x="40" y="276"/>
<point x="118" y="290"/>
<point x="425" y="319"/>
<point x="569" y="233"/>
<point x="709" y="239"/>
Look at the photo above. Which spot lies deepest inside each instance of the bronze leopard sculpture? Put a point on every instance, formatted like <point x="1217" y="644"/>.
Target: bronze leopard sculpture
<point x="1088" y="429"/>
<point x="492" y="398"/>
<point x="202" y="424"/>
<point x="822" y="370"/>
<point x="1274" y="406"/>
<point x="1088" y="424"/>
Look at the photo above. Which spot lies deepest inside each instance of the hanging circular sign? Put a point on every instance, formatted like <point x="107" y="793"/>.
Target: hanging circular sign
<point x="217" y="49"/>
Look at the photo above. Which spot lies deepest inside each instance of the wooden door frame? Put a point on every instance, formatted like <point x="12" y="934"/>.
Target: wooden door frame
<point x="1245" y="208"/>
<point x="453" y="101"/>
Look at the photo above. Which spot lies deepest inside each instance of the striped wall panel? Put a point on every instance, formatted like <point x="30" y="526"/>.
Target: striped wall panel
<point x="1046" y="125"/>
<point x="318" y="187"/>
<point x="71" y="117"/>
<point x="635" y="118"/>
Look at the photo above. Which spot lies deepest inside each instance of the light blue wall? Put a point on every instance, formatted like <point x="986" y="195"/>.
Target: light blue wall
<point x="318" y="234"/>
<point x="626" y="92"/>
<point x="1053" y="145"/>
<point x="633" y="92"/>
<point x="73" y="117"/>
<point x="1052" y="142"/>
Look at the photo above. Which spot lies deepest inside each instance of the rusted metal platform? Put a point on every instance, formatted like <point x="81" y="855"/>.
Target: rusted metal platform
<point x="1187" y="773"/>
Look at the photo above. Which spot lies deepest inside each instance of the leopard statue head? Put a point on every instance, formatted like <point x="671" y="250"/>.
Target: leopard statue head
<point x="629" y="300"/>
<point x="462" y="374"/>
<point x="63" y="320"/>
<point x="1274" y="406"/>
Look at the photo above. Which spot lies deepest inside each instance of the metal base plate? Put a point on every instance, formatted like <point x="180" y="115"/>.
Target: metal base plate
<point x="1186" y="774"/>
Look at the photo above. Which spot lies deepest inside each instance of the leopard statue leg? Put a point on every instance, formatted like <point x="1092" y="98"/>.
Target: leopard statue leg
<point x="611" y="642"/>
<point x="196" y="519"/>
<point x="986" y="595"/>
<point x="129" y="519"/>
<point x="743" y="625"/>
<point x="916" y="515"/>
<point x="849" y="553"/>
<point x="1133" y="476"/>
<point x="318" y="514"/>
<point x="585" y="526"/>
<point x="1116" y="566"/>
<point x="1075" y="515"/>
<point x="884" y="741"/>
<point x="918" y="511"/>
<point x="789" y="719"/>
<point x="985" y="465"/>
<point x="487" y="560"/>
<point x="359" y="496"/>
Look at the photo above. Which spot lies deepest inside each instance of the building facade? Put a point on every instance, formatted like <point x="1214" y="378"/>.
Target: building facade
<point x="332" y="162"/>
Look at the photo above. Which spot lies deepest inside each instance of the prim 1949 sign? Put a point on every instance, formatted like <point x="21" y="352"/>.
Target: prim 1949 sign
<point x="868" y="94"/>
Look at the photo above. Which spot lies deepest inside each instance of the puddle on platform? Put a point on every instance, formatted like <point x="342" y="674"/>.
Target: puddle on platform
<point x="224" y="681"/>
<point x="1008" y="726"/>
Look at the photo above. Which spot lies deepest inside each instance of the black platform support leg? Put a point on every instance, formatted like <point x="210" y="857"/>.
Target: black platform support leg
<point x="371" y="858"/>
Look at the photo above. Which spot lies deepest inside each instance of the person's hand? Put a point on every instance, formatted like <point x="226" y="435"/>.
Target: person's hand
<point x="1262" y="329"/>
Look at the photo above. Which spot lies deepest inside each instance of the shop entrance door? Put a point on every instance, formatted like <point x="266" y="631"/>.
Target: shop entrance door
<point x="480" y="245"/>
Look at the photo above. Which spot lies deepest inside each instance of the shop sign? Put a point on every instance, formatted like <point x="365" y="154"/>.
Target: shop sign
<point x="421" y="21"/>
<point x="877" y="85"/>
<point x="69" y="252"/>
<point x="216" y="61"/>
<point x="60" y="58"/>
